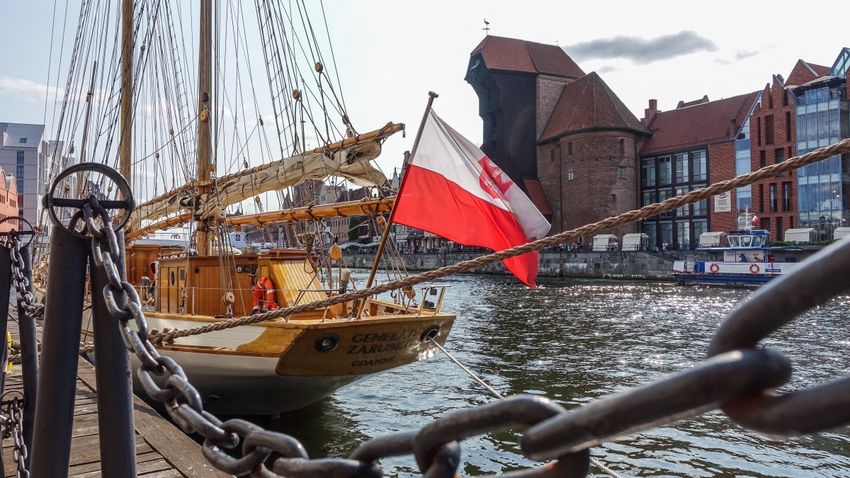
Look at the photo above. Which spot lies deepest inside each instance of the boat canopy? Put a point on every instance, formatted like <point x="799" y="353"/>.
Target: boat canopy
<point x="713" y="239"/>
<point x="801" y="235"/>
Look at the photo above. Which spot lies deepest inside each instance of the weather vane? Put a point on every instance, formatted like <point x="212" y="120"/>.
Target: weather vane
<point x="486" y="27"/>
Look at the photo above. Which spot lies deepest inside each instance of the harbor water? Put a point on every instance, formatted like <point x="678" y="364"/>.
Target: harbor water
<point x="574" y="341"/>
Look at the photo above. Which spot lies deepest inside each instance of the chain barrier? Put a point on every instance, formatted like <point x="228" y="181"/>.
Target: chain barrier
<point x="23" y="295"/>
<point x="737" y="378"/>
<point x="12" y="405"/>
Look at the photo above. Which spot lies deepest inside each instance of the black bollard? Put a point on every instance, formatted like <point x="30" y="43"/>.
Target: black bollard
<point x="54" y="408"/>
<point x="5" y="291"/>
<point x="29" y="357"/>
<point x="114" y="380"/>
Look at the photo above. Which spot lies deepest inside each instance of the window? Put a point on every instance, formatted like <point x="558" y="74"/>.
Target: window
<point x="700" y="171"/>
<point x="768" y="129"/>
<point x="765" y="223"/>
<point x="700" y="208"/>
<point x="686" y="209"/>
<point x="773" y="199"/>
<point x="761" y="197"/>
<point x="648" y="176"/>
<point x="552" y="155"/>
<point x="786" y="196"/>
<point x="570" y="148"/>
<point x="622" y="147"/>
<point x="785" y="98"/>
<point x="621" y="173"/>
<point x="648" y="198"/>
<point x="787" y="121"/>
<point x="682" y="175"/>
<point x="778" y="155"/>
<point x="758" y="131"/>
<point x="762" y="159"/>
<point x="683" y="234"/>
<point x="21" y="189"/>
<point x="571" y="176"/>
<point x="778" y="227"/>
<point x="20" y="157"/>
<point x="664" y="170"/>
<point x="22" y="141"/>
<point x="19" y="171"/>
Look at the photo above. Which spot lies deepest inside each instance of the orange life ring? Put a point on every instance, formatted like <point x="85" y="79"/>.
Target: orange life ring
<point x="754" y="269"/>
<point x="714" y="268"/>
<point x="264" y="296"/>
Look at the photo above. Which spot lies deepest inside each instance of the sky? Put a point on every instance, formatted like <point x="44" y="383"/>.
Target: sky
<point x="390" y="53"/>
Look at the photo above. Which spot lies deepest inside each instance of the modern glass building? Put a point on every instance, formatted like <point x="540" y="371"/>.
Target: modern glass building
<point x="823" y="118"/>
<point x="743" y="164"/>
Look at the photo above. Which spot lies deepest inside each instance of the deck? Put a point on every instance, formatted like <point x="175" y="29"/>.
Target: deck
<point x="162" y="449"/>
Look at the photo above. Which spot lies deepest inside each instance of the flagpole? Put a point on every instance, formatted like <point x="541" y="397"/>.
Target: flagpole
<point x="386" y="234"/>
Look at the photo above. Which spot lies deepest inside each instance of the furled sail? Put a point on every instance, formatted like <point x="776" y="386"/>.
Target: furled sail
<point x="349" y="159"/>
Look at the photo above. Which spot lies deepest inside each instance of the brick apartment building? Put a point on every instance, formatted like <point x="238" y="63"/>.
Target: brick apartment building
<point x="582" y="156"/>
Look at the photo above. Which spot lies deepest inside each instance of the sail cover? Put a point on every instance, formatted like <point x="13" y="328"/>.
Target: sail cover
<point x="350" y="162"/>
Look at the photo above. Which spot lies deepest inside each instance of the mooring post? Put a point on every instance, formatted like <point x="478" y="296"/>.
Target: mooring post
<point x="54" y="408"/>
<point x="29" y="356"/>
<point x="5" y="291"/>
<point x="114" y="379"/>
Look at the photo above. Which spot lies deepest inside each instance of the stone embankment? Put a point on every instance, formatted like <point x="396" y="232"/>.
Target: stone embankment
<point x="600" y="265"/>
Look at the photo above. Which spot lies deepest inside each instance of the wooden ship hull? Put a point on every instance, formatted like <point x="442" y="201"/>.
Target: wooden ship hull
<point x="286" y="363"/>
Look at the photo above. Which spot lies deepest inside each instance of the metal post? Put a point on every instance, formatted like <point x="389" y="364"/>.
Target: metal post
<point x="63" y="316"/>
<point x="114" y="383"/>
<point x="5" y="291"/>
<point x="29" y="357"/>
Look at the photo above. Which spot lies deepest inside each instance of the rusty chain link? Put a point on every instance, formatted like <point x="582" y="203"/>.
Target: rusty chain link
<point x="736" y="378"/>
<point x="12" y="403"/>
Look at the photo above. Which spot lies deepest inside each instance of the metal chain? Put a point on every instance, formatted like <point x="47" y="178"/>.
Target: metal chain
<point x="13" y="427"/>
<point x="22" y="283"/>
<point x="737" y="378"/>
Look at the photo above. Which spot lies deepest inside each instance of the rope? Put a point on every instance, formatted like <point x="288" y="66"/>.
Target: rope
<point x="563" y="237"/>
<point x="595" y="461"/>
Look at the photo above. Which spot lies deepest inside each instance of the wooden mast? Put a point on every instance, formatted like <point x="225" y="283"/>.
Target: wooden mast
<point x="386" y="234"/>
<point x="125" y="144"/>
<point x="204" y="113"/>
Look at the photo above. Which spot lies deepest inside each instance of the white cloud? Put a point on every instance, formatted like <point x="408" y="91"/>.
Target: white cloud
<point x="25" y="89"/>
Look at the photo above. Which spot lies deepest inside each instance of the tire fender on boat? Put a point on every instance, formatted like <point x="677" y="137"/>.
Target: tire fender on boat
<point x="754" y="269"/>
<point x="714" y="268"/>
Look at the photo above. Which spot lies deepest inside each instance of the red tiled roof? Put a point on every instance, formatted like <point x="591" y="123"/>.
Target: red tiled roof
<point x="589" y="103"/>
<point x="537" y="196"/>
<point x="510" y="54"/>
<point x="804" y="72"/>
<point x="697" y="125"/>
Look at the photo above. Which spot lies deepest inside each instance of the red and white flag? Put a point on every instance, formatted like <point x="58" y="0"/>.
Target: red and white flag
<point x="452" y="189"/>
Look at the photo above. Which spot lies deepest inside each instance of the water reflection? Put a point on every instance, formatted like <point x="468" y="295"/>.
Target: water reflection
<point x="574" y="341"/>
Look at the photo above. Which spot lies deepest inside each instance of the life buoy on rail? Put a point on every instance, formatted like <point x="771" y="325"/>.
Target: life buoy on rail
<point x="264" y="295"/>
<point x="754" y="269"/>
<point x="714" y="268"/>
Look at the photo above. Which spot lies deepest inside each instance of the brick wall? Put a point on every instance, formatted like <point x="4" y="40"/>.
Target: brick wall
<point x="596" y="181"/>
<point x="549" y="90"/>
<point x="721" y="166"/>
<point x="769" y="146"/>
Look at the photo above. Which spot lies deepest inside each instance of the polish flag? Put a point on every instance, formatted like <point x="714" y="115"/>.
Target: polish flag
<point x="452" y="189"/>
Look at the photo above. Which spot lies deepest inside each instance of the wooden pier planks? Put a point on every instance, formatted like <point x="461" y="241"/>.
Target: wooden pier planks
<point x="162" y="450"/>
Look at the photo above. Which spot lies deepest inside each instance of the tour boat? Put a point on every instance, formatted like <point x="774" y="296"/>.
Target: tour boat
<point x="742" y="258"/>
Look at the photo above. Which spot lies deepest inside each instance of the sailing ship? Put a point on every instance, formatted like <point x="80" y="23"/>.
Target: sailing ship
<point x="281" y="364"/>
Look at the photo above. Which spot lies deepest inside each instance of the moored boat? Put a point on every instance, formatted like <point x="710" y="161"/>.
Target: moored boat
<point x="743" y="258"/>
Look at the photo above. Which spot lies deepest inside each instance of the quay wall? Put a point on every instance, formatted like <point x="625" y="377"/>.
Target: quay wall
<point x="598" y="265"/>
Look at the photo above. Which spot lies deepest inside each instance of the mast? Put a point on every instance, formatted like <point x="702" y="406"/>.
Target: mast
<point x="386" y="234"/>
<point x="125" y="145"/>
<point x="204" y="133"/>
